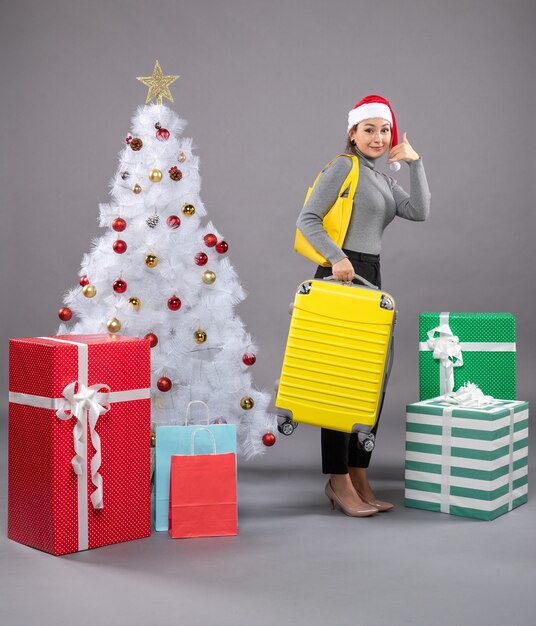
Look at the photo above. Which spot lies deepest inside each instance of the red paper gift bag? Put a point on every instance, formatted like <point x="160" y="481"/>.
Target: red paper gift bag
<point x="79" y="426"/>
<point x="202" y="493"/>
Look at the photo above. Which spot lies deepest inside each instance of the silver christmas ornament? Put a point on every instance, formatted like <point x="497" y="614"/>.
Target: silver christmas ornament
<point x="152" y="220"/>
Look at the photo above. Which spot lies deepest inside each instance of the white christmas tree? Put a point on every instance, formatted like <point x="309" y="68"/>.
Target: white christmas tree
<point x="161" y="272"/>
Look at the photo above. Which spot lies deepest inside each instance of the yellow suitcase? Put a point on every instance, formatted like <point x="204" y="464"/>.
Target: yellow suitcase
<point x="338" y="357"/>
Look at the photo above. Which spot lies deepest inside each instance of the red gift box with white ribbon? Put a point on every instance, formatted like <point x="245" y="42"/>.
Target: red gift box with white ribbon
<point x="79" y="441"/>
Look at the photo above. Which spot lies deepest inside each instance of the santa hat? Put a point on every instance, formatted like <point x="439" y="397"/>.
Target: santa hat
<point x="375" y="106"/>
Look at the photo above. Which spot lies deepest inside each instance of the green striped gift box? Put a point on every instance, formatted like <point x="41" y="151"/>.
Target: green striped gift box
<point x="465" y="461"/>
<point x="488" y="347"/>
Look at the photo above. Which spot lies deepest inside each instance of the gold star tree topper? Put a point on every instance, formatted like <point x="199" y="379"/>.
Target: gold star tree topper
<point x="158" y="84"/>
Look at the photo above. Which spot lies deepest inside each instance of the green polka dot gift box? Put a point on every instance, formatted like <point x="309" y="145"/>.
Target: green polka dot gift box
<point x="455" y="348"/>
<point x="467" y="461"/>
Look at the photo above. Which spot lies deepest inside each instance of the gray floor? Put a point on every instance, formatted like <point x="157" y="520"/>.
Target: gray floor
<point x="294" y="562"/>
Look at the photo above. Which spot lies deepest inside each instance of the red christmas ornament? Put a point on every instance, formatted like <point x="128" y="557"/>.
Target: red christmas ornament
<point x="210" y="240"/>
<point x="119" y="224"/>
<point x="83" y="280"/>
<point x="128" y="139"/>
<point x="162" y="134"/>
<point x="120" y="246"/>
<point x="201" y="258"/>
<point x="249" y="359"/>
<point x="222" y="247"/>
<point x="153" y="339"/>
<point x="173" y="221"/>
<point x="174" y="303"/>
<point x="65" y="314"/>
<point x="164" y="384"/>
<point x="119" y="286"/>
<point x="268" y="439"/>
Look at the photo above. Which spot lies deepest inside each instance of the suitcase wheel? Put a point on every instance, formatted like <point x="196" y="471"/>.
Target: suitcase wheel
<point x="367" y="442"/>
<point x="287" y="427"/>
<point x="368" y="445"/>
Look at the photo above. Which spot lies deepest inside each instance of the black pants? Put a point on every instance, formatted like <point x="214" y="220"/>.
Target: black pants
<point x="341" y="450"/>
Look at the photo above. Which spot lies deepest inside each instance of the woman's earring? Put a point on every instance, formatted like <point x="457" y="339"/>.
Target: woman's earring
<point x="352" y="141"/>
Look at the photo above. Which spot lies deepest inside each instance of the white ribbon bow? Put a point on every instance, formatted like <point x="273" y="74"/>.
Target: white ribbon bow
<point x="93" y="402"/>
<point x="469" y="395"/>
<point x="446" y="348"/>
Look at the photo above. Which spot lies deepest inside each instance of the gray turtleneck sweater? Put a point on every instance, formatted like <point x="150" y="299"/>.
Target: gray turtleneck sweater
<point x="377" y="201"/>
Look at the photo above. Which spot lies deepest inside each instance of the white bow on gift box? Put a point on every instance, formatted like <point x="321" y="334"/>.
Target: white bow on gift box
<point x="90" y="402"/>
<point x="446" y="348"/>
<point x="469" y="395"/>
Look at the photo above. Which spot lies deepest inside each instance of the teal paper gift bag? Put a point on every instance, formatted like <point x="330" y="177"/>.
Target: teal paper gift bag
<point x="174" y="440"/>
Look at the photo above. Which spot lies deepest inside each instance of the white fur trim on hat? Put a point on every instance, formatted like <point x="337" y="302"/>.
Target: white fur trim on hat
<point x="367" y="111"/>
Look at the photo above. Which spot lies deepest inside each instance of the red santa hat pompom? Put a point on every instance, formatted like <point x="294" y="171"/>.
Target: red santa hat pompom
<point x="375" y="106"/>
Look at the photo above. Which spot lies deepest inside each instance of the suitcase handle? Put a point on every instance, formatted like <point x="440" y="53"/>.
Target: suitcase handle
<point x="363" y="281"/>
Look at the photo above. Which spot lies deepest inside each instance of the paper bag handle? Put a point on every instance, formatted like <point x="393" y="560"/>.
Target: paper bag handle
<point x="188" y="410"/>
<point x="192" y="440"/>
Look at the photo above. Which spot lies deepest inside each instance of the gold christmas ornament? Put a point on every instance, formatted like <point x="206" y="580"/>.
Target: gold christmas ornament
<point x="247" y="403"/>
<point x="182" y="157"/>
<point x="200" y="336"/>
<point x="135" y="303"/>
<point x="136" y="189"/>
<point x="113" y="325"/>
<point x="151" y="260"/>
<point x="89" y="291"/>
<point x="188" y="210"/>
<point x="158" y="84"/>
<point x="208" y="277"/>
<point x="155" y="175"/>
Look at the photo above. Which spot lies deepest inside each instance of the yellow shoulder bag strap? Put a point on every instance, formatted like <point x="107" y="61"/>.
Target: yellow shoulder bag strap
<point x="337" y="219"/>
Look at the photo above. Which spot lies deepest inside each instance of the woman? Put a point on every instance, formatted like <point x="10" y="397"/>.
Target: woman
<point x="372" y="132"/>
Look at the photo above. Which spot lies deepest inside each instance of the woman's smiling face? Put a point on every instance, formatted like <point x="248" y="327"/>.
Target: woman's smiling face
<point x="372" y="137"/>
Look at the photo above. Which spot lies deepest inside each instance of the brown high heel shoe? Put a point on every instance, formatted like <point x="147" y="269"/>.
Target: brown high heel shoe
<point x="362" y="510"/>
<point x="378" y="504"/>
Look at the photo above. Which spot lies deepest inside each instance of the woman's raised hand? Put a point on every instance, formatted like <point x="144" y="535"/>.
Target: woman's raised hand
<point x="343" y="270"/>
<point x="403" y="151"/>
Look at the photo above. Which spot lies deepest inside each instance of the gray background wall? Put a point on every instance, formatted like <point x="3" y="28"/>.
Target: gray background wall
<point x="266" y="87"/>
